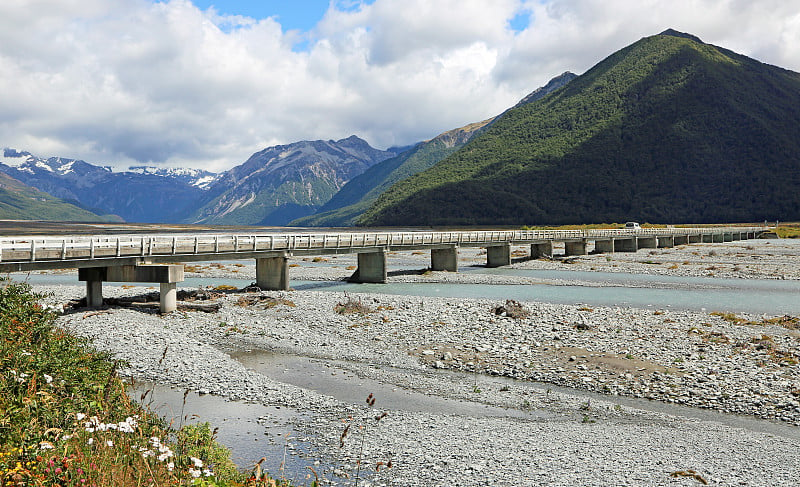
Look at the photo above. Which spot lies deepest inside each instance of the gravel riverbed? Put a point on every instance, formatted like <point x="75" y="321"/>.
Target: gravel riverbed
<point x="669" y="356"/>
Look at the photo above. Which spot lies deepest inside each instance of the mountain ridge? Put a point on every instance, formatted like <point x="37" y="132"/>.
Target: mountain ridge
<point x="666" y="115"/>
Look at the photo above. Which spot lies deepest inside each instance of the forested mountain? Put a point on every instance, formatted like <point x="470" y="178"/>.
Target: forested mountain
<point x="668" y="129"/>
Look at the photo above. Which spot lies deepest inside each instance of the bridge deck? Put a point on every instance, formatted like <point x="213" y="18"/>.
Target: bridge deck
<point x="55" y="252"/>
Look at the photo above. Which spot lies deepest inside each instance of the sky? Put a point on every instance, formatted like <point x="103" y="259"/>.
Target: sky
<point x="206" y="83"/>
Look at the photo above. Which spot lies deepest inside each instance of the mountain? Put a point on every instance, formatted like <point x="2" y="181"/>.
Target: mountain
<point x="193" y="177"/>
<point x="355" y="197"/>
<point x="21" y="202"/>
<point x="143" y="195"/>
<point x="284" y="182"/>
<point x="358" y="194"/>
<point x="668" y="129"/>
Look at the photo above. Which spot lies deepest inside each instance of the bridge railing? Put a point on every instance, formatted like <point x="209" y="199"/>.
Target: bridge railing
<point x="36" y="249"/>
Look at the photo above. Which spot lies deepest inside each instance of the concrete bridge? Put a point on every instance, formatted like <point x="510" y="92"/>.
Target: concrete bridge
<point x="152" y="258"/>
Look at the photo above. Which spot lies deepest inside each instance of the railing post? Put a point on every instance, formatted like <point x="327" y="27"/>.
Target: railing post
<point x="33" y="250"/>
<point x="91" y="248"/>
<point x="119" y="248"/>
<point x="174" y="245"/>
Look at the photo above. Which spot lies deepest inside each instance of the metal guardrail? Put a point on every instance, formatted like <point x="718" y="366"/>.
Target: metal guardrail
<point x="53" y="249"/>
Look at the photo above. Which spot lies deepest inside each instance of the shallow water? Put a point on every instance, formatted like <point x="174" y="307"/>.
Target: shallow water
<point x="333" y="378"/>
<point x="756" y="296"/>
<point x="329" y="378"/>
<point x="238" y="427"/>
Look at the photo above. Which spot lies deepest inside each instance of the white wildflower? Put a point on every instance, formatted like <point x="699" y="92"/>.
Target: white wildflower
<point x="207" y="472"/>
<point x="90" y="441"/>
<point x="109" y="443"/>
<point x="197" y="462"/>
<point x="170" y="466"/>
<point x="45" y="445"/>
<point x="194" y="473"/>
<point x="80" y="416"/>
<point x="48" y="378"/>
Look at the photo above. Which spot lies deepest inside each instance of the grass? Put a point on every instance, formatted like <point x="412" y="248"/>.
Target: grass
<point x="66" y="418"/>
<point x="352" y="306"/>
<point x="788" y="230"/>
<point x="785" y="321"/>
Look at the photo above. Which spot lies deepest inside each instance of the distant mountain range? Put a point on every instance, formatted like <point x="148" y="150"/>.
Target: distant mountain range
<point x="19" y="201"/>
<point x="142" y="195"/>
<point x="668" y="129"/>
<point x="285" y="182"/>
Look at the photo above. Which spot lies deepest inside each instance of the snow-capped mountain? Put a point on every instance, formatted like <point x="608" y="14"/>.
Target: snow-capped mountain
<point x="136" y="196"/>
<point x="193" y="177"/>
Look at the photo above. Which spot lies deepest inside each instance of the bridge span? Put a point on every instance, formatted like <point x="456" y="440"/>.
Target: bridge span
<point x="157" y="258"/>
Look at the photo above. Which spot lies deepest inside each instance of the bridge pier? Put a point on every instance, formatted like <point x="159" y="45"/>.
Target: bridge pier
<point x="575" y="247"/>
<point x="604" y="246"/>
<point x="498" y="255"/>
<point x="272" y="273"/>
<point x="166" y="275"/>
<point x="666" y="242"/>
<point x="539" y="250"/>
<point x="646" y="243"/>
<point x="371" y="267"/>
<point x="94" y="293"/>
<point x="625" y="244"/>
<point x="445" y="259"/>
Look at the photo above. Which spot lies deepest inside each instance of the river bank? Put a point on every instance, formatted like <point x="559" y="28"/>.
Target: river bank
<point x="553" y="437"/>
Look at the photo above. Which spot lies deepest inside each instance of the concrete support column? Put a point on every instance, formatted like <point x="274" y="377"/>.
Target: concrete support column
<point x="539" y="250"/>
<point x="444" y="259"/>
<point x="646" y="242"/>
<point x="498" y="256"/>
<point x="604" y="246"/>
<point x="680" y="240"/>
<point x="575" y="248"/>
<point x="168" y="300"/>
<point x="272" y="273"/>
<point x="94" y="293"/>
<point x="625" y="244"/>
<point x="666" y="242"/>
<point x="371" y="267"/>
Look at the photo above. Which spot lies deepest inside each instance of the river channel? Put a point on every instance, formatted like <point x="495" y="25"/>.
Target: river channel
<point x="244" y="430"/>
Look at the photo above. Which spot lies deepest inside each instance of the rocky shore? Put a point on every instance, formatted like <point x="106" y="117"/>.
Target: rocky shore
<point x="734" y="364"/>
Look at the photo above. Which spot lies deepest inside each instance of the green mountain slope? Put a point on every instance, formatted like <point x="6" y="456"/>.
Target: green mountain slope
<point x="359" y="193"/>
<point x="668" y="129"/>
<point x="21" y="202"/>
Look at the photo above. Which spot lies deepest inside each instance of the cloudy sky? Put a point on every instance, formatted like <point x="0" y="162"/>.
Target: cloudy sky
<point x="207" y="83"/>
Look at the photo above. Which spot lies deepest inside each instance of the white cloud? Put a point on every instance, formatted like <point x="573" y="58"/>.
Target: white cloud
<point x="129" y="81"/>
